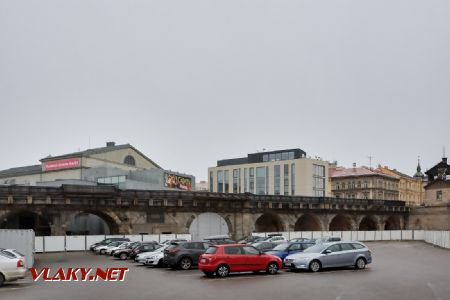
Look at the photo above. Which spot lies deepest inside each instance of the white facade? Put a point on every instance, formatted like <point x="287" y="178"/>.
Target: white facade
<point x="293" y="177"/>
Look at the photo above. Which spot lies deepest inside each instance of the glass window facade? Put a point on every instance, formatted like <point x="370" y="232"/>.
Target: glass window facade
<point x="226" y="175"/>
<point x="319" y="181"/>
<point x="261" y="180"/>
<point x="277" y="179"/>
<point x="112" y="179"/>
<point x="292" y="179"/>
<point x="245" y="180"/>
<point x="251" y="180"/>
<point x="236" y="181"/>
<point x="286" y="179"/>
<point x="220" y="181"/>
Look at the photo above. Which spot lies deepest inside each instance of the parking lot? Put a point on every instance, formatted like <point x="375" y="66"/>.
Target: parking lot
<point x="401" y="270"/>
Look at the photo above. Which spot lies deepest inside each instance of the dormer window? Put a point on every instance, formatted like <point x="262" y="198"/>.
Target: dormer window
<point x="129" y="160"/>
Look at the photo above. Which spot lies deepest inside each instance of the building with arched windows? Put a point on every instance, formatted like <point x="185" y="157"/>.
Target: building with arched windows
<point x="121" y="165"/>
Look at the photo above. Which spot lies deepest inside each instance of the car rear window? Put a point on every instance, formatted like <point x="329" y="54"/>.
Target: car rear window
<point x="7" y="254"/>
<point x="357" y="246"/>
<point x="211" y="250"/>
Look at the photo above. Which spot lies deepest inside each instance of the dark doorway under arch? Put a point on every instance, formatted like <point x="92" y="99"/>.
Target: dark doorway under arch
<point x="269" y="222"/>
<point x="340" y="223"/>
<point x="392" y="223"/>
<point x="307" y="222"/>
<point x="367" y="224"/>
<point x="91" y="223"/>
<point x="27" y="220"/>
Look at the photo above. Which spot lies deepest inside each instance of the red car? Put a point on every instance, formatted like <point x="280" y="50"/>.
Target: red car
<point x="224" y="259"/>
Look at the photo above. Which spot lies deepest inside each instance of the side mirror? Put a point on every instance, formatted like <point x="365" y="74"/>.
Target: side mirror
<point x="327" y="251"/>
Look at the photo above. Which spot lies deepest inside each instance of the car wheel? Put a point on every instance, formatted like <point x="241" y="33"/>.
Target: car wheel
<point x="209" y="274"/>
<point x="360" y="263"/>
<point x="123" y="256"/>
<point x="272" y="268"/>
<point x="102" y="251"/>
<point x="222" y="271"/>
<point x="315" y="266"/>
<point x="185" y="263"/>
<point x="2" y="279"/>
<point x="160" y="263"/>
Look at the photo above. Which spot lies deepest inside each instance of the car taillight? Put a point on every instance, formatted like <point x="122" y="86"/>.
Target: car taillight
<point x="20" y="263"/>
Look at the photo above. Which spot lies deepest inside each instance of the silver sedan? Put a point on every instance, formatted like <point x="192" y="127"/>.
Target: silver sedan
<point x="330" y="255"/>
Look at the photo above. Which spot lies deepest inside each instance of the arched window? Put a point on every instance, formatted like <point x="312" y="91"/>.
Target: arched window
<point x="129" y="160"/>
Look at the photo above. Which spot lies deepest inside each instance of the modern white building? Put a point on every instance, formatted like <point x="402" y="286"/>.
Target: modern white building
<point x="283" y="172"/>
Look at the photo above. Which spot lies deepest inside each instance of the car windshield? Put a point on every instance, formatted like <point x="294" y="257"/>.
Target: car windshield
<point x="315" y="249"/>
<point x="281" y="247"/>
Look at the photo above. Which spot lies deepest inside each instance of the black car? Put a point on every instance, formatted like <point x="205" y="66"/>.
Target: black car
<point x="126" y="252"/>
<point x="108" y="241"/>
<point x="144" y="247"/>
<point x="184" y="255"/>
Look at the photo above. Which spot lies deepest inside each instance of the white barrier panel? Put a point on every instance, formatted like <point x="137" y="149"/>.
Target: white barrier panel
<point x="135" y="237"/>
<point x="21" y="240"/>
<point x="54" y="243"/>
<point x="346" y="236"/>
<point x="115" y="236"/>
<point x="92" y="239"/>
<point x="295" y="235"/>
<point x="306" y="234"/>
<point x="396" y="235"/>
<point x="39" y="244"/>
<point x="260" y="234"/>
<point x="385" y="235"/>
<point x="151" y="238"/>
<point x="419" y="235"/>
<point x="165" y="237"/>
<point x="360" y="236"/>
<point x="336" y="234"/>
<point x="75" y="243"/>
<point x="316" y="234"/>
<point x="407" y="235"/>
<point x="370" y="235"/>
<point x="187" y="237"/>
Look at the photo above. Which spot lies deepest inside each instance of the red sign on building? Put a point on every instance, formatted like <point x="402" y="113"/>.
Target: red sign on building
<point x="62" y="164"/>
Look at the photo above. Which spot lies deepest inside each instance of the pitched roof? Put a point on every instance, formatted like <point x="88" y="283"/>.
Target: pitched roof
<point x="27" y="170"/>
<point x="93" y="151"/>
<point x="341" y="172"/>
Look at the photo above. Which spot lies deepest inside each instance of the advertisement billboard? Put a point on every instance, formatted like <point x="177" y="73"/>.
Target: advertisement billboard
<point x="69" y="163"/>
<point x="177" y="182"/>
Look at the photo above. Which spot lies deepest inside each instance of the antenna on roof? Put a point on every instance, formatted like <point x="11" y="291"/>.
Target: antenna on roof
<point x="370" y="161"/>
<point x="443" y="152"/>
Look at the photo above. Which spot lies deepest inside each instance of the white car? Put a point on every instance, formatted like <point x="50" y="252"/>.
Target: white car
<point x="154" y="258"/>
<point x="276" y="239"/>
<point x="102" y="249"/>
<point x="11" y="268"/>
<point x="14" y="253"/>
<point x="110" y="250"/>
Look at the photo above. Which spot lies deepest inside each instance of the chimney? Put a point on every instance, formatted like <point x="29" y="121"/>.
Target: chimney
<point x="444" y="160"/>
<point x="110" y="144"/>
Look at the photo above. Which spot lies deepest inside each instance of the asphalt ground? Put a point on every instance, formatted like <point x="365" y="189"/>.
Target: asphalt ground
<point x="401" y="270"/>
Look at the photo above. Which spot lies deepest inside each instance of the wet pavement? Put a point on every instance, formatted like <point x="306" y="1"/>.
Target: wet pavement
<point x="401" y="270"/>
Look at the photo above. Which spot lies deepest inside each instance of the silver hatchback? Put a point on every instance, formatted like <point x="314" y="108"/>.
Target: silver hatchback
<point x="330" y="255"/>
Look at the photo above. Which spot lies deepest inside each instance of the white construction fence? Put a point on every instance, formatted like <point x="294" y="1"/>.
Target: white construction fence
<point x="83" y="242"/>
<point x="438" y="238"/>
<point x="21" y="240"/>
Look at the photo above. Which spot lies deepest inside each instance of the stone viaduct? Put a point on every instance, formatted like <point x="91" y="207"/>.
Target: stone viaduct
<point x="49" y="211"/>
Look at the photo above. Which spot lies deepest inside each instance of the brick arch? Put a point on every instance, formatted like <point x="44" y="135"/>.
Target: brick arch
<point x="392" y="223"/>
<point x="341" y="222"/>
<point x="308" y="222"/>
<point x="368" y="223"/>
<point x="269" y="222"/>
<point x="111" y="219"/>
<point x="26" y="219"/>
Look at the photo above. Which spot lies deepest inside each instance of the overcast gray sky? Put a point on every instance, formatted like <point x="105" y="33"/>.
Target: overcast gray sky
<point x="189" y="82"/>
